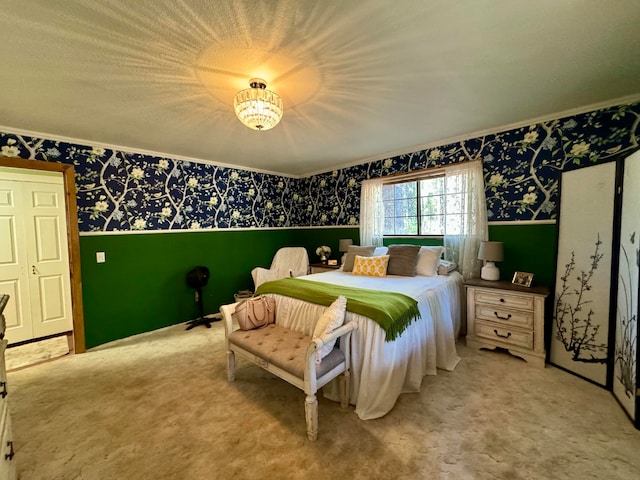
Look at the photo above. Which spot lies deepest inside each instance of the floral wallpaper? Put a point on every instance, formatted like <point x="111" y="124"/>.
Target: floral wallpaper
<point x="118" y="190"/>
<point x="521" y="166"/>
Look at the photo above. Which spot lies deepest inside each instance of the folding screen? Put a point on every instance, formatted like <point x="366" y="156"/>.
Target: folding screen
<point x="594" y="332"/>
<point x="579" y="340"/>
<point x="625" y="374"/>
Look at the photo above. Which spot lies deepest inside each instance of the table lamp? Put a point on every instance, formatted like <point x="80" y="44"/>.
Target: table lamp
<point x="343" y="246"/>
<point x="490" y="252"/>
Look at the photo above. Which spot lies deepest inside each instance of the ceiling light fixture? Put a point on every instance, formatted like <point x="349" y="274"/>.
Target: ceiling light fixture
<point x="257" y="107"/>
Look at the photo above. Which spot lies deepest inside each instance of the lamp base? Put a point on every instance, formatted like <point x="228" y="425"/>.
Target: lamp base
<point x="490" y="272"/>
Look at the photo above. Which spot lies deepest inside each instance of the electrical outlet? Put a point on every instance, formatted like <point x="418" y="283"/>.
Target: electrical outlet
<point x="100" y="257"/>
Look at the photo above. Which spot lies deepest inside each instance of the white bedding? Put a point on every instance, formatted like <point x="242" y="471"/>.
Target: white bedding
<point x="380" y="370"/>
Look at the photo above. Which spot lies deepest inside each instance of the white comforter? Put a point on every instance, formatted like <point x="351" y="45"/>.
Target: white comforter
<point x="380" y="370"/>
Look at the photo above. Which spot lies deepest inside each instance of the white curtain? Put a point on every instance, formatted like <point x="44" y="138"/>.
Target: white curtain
<point x="371" y="213"/>
<point x="466" y="216"/>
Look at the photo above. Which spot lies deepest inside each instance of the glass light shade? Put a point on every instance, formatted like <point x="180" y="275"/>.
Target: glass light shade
<point x="257" y="107"/>
<point x="343" y="244"/>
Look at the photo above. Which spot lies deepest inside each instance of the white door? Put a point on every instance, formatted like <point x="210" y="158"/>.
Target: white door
<point x="13" y="262"/>
<point x="34" y="262"/>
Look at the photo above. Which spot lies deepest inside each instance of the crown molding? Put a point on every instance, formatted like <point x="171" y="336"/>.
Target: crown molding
<point x="416" y="148"/>
<point x="629" y="99"/>
<point x="135" y="151"/>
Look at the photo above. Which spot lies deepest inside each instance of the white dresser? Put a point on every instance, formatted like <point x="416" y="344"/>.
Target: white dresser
<point x="500" y="314"/>
<point x="7" y="459"/>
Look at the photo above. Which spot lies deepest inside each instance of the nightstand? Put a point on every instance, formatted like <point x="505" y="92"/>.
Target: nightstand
<point x="322" y="267"/>
<point x="501" y="314"/>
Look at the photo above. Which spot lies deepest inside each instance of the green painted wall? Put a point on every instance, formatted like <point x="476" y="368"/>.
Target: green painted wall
<point x="142" y="287"/>
<point x="312" y="238"/>
<point x="527" y="248"/>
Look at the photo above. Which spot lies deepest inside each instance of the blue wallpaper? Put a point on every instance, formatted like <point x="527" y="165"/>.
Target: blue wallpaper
<point x="117" y="190"/>
<point x="521" y="166"/>
<point x="126" y="191"/>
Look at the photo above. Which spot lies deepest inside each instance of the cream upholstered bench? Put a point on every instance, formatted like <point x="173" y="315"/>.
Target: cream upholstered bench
<point x="291" y="356"/>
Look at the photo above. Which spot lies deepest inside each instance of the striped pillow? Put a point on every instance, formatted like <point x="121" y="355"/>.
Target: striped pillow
<point x="371" y="266"/>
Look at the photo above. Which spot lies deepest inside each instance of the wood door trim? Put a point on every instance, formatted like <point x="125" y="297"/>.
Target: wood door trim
<point x="73" y="237"/>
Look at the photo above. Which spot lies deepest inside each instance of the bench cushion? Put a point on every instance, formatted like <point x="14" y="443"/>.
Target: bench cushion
<point x="283" y="348"/>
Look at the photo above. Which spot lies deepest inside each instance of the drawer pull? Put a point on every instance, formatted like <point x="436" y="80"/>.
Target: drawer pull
<point x="502" y="300"/>
<point x="502" y="336"/>
<point x="3" y="386"/>
<point x="9" y="456"/>
<point x="502" y="318"/>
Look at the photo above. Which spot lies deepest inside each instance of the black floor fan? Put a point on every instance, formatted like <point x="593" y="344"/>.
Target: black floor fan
<point x="198" y="278"/>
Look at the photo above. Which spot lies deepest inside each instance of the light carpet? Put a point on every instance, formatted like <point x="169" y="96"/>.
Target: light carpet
<point x="158" y="406"/>
<point x="31" y="353"/>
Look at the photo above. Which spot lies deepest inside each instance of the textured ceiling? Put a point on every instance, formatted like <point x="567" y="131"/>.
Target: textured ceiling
<point x="359" y="79"/>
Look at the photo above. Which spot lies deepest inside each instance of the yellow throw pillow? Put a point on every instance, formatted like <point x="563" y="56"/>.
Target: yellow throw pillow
<point x="371" y="266"/>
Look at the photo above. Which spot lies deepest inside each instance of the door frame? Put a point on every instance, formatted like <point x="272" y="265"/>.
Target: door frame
<point x="73" y="237"/>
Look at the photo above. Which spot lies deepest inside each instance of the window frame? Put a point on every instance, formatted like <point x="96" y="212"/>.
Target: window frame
<point x="411" y="178"/>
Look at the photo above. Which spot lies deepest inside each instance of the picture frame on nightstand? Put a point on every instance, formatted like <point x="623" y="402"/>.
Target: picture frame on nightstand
<point x="523" y="279"/>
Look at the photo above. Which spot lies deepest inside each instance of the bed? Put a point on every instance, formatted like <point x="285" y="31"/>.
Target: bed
<point x="381" y="370"/>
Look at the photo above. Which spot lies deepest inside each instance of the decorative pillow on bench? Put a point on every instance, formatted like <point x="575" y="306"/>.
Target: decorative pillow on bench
<point x="332" y="318"/>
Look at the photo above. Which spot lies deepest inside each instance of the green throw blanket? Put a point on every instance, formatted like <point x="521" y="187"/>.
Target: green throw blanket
<point x="392" y="311"/>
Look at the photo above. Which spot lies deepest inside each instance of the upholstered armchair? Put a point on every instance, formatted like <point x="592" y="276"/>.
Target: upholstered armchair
<point x="287" y="262"/>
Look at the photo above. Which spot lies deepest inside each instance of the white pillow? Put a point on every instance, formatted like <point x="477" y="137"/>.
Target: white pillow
<point x="428" y="261"/>
<point x="380" y="251"/>
<point x="332" y="318"/>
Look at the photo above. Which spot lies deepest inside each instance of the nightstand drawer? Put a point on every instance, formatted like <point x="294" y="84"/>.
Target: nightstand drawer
<point x="504" y="316"/>
<point x="510" y="300"/>
<point x="510" y="336"/>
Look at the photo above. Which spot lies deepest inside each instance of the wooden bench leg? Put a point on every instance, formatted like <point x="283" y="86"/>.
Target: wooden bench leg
<point x="231" y="365"/>
<point x="311" y="414"/>
<point x="344" y="389"/>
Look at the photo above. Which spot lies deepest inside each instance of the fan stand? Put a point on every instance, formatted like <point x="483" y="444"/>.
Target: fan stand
<point x="202" y="320"/>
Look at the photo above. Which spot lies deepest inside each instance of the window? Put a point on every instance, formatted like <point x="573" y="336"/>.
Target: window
<point x="427" y="203"/>
<point x="424" y="206"/>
